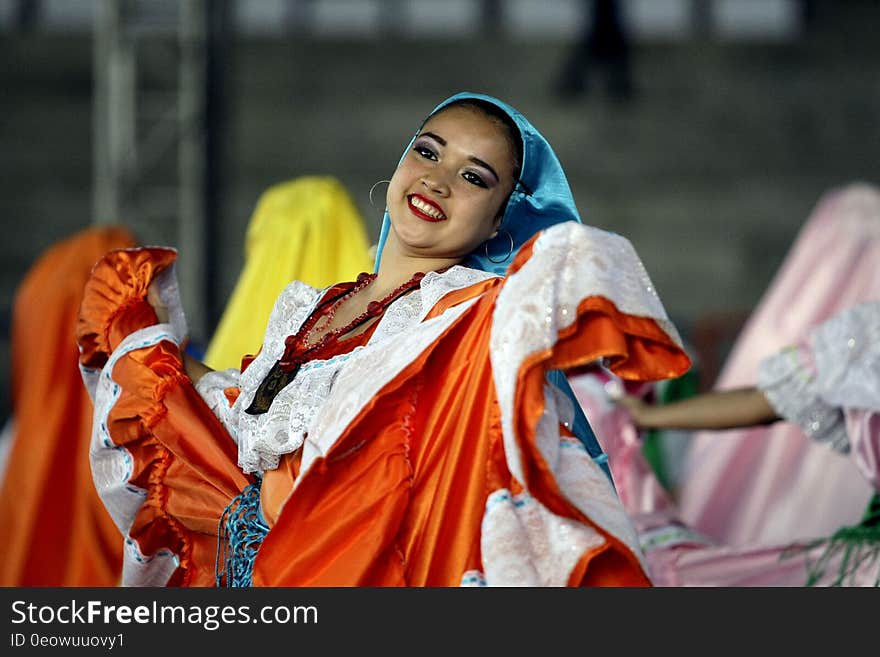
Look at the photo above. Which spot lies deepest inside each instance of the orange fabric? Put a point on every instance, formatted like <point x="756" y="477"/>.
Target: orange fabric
<point x="54" y="529"/>
<point x="417" y="521"/>
<point x="115" y="300"/>
<point x="232" y="394"/>
<point x="634" y="348"/>
<point x="400" y="497"/>
<point x="182" y="455"/>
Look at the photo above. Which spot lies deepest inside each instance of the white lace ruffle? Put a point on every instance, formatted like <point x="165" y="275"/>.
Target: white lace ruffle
<point x="414" y="307"/>
<point x="570" y="262"/>
<point x="112" y="466"/>
<point x="169" y="293"/>
<point x="525" y="544"/>
<point x="255" y="433"/>
<point x="789" y="384"/>
<point x="437" y="285"/>
<point x="847" y="353"/>
<point x="212" y="388"/>
<point x="307" y="405"/>
<point x="588" y="488"/>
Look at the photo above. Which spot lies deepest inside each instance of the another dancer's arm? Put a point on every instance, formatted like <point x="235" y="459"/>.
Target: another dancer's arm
<point x="728" y="409"/>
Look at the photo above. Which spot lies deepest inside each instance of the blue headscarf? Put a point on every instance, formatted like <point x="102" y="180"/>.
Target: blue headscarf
<point x="540" y="199"/>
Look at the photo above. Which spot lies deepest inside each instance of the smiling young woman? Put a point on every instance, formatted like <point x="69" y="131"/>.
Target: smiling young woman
<point x="448" y="194"/>
<point x="412" y="427"/>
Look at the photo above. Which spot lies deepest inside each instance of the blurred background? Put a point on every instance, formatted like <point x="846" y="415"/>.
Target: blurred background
<point x="703" y="130"/>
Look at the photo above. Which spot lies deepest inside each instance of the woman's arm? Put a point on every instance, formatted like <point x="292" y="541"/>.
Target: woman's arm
<point x="728" y="409"/>
<point x="195" y="369"/>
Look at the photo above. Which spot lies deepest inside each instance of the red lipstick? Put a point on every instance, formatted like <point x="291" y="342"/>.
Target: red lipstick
<point x="436" y="215"/>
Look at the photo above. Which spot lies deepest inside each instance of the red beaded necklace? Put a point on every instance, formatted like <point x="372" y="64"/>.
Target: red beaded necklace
<point x="324" y="312"/>
<point x="299" y="349"/>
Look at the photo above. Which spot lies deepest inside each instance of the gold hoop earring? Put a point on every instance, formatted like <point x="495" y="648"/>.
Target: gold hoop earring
<point x="507" y="255"/>
<point x="374" y="187"/>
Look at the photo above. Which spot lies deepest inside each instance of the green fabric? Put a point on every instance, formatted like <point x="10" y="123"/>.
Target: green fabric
<point x="669" y="390"/>
<point x="857" y="546"/>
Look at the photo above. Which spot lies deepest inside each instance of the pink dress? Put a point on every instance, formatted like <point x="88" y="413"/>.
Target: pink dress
<point x="768" y="484"/>
<point x="826" y="383"/>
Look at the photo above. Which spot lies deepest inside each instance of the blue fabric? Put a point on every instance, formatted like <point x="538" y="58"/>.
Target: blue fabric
<point x="541" y="199"/>
<point x="581" y="426"/>
<point x="242" y="529"/>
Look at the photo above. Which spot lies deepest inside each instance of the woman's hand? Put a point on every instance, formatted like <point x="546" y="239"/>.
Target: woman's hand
<point x="195" y="369"/>
<point x="638" y="408"/>
<point x="155" y="300"/>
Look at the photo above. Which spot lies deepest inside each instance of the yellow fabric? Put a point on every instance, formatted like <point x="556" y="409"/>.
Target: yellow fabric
<point x="307" y="229"/>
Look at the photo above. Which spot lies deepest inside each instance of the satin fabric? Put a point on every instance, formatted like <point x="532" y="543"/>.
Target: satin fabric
<point x="770" y="484"/>
<point x="541" y="198"/>
<point x="419" y="507"/>
<point x="54" y="529"/>
<point x="415" y="518"/>
<point x="307" y="229"/>
<point x="401" y="495"/>
<point x="181" y="457"/>
<point x="677" y="554"/>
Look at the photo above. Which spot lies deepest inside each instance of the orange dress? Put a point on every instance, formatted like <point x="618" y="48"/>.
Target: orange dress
<point x="54" y="529"/>
<point x="437" y="454"/>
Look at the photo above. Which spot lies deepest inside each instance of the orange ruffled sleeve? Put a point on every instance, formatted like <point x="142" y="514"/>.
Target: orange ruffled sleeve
<point x="176" y="456"/>
<point x="639" y="348"/>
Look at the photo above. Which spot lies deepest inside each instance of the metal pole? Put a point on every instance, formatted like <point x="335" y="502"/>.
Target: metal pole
<point x="218" y="60"/>
<point x="113" y="114"/>
<point x="191" y="165"/>
<point x="105" y="202"/>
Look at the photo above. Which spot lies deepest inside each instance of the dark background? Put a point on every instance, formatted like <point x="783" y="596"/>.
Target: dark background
<point x="705" y="136"/>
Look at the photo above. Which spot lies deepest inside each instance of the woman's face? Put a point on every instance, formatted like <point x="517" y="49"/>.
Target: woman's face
<point x="446" y="196"/>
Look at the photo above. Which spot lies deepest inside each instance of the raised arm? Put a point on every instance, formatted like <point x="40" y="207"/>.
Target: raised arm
<point x="195" y="369"/>
<point x="728" y="409"/>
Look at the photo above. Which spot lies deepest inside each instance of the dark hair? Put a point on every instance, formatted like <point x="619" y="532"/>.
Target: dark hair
<point x="497" y="114"/>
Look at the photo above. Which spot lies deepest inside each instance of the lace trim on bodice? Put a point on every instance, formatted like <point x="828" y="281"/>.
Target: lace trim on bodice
<point x="296" y="411"/>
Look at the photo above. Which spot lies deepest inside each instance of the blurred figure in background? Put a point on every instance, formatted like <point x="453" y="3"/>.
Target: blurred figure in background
<point x="828" y="384"/>
<point x="54" y="529"/>
<point x="307" y="229"/>
<point x="602" y="50"/>
<point x="763" y="491"/>
<point x="768" y="484"/>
